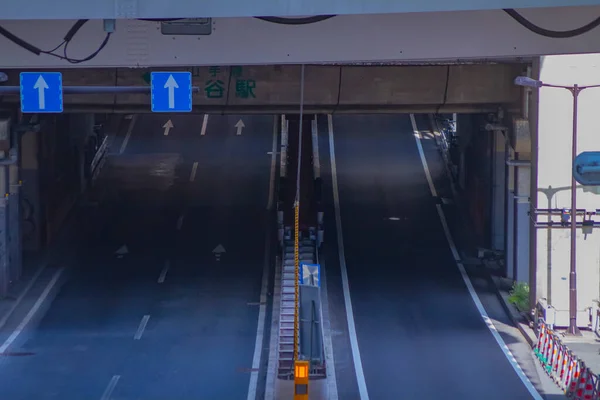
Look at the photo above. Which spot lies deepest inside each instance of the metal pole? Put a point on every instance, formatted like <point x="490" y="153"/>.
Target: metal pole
<point x="297" y="226"/>
<point x="573" y="329"/>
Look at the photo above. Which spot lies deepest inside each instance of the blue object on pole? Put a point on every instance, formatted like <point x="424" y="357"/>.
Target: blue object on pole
<point x="310" y="274"/>
<point x="171" y="91"/>
<point x="41" y="92"/>
<point x="586" y="168"/>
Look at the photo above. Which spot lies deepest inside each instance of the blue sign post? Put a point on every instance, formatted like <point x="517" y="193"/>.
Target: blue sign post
<point x="171" y="91"/>
<point x="310" y="274"/>
<point x="41" y="92"/>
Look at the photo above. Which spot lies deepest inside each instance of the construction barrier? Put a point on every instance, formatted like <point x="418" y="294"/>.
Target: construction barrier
<point x="564" y="367"/>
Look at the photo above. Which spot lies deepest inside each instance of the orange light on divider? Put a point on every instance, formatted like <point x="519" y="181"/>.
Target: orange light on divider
<point x="301" y="377"/>
<point x="301" y="370"/>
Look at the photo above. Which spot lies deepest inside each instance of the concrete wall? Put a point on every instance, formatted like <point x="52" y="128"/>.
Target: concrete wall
<point x="552" y="142"/>
<point x="328" y="88"/>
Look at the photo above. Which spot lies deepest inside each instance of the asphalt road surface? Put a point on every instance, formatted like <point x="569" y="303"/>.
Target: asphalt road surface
<point x="418" y="331"/>
<point x="167" y="319"/>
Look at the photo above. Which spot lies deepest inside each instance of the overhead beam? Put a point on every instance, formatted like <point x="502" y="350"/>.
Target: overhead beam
<point x="461" y="35"/>
<point x="277" y="88"/>
<point x="98" y="9"/>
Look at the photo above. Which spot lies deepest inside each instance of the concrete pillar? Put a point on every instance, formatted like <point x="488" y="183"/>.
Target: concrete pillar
<point x="81" y="126"/>
<point x="552" y="125"/>
<point x="521" y="222"/>
<point x="464" y="128"/>
<point x="14" y="215"/>
<point x="509" y="242"/>
<point x="498" y="190"/>
<point x="31" y="210"/>
<point x="4" y="230"/>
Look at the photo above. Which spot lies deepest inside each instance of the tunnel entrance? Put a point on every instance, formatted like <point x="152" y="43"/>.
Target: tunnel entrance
<point x="166" y="226"/>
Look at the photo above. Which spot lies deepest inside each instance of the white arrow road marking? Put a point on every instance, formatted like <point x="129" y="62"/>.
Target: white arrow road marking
<point x="122" y="251"/>
<point x="240" y="125"/>
<point x="167" y="127"/>
<point x="218" y="251"/>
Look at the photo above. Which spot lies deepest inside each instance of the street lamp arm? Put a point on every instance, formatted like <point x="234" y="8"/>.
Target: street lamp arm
<point x="588" y="87"/>
<point x="534" y="83"/>
<point x="560" y="86"/>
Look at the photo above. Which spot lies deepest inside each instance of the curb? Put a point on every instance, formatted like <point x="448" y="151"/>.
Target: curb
<point x="507" y="309"/>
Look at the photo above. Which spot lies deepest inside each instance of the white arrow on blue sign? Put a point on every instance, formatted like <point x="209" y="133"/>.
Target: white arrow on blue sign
<point x="41" y="92"/>
<point x="171" y="91"/>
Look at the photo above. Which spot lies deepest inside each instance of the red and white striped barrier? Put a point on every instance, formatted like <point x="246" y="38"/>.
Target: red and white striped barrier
<point x="564" y="367"/>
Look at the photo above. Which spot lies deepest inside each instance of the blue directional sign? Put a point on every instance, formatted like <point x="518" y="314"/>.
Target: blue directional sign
<point x="41" y="92"/>
<point x="171" y="91"/>
<point x="586" y="168"/>
<point x="310" y="274"/>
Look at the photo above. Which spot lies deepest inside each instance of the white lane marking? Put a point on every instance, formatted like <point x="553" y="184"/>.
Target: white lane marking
<point x="142" y="327"/>
<point x="15" y="334"/>
<point x="273" y="164"/>
<point x="204" y="123"/>
<point x="260" y="329"/>
<point x="22" y="295"/>
<point x="180" y="222"/>
<point x="193" y="173"/>
<point x="111" y="387"/>
<point x="358" y="368"/>
<point x="128" y="134"/>
<point x="422" y="155"/>
<point x="463" y="273"/>
<point x="163" y="273"/>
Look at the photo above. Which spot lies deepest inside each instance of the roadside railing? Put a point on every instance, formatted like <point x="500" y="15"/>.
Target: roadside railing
<point x="564" y="367"/>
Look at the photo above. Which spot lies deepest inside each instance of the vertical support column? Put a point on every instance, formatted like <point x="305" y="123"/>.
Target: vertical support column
<point x="283" y="150"/>
<point x="521" y="221"/>
<point x="509" y="242"/>
<point x="14" y="219"/>
<point x="498" y="189"/>
<point x="30" y="196"/>
<point x="81" y="126"/>
<point x="519" y="195"/>
<point x="4" y="249"/>
<point x="282" y="177"/>
<point x="315" y="149"/>
<point x="465" y="126"/>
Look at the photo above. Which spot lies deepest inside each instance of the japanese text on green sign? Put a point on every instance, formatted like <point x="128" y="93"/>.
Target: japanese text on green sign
<point x="215" y="88"/>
